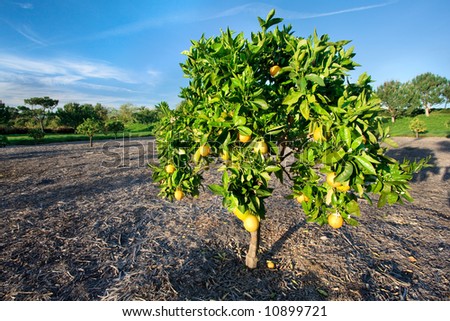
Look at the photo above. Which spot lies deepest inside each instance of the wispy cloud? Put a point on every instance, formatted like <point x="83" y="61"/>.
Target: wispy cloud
<point x="261" y="9"/>
<point x="63" y="67"/>
<point x="300" y="15"/>
<point x="28" y="33"/>
<point x="24" y="5"/>
<point x="71" y="80"/>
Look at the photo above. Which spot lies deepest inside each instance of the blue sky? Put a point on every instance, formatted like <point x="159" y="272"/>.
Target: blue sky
<point x="121" y="51"/>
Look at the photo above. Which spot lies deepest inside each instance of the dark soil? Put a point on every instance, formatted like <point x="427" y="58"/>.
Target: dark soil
<point x="82" y="223"/>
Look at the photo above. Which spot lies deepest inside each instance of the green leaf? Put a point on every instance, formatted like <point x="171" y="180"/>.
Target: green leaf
<point x="391" y="142"/>
<point x="217" y="189"/>
<point x="346" y="135"/>
<point x="261" y="103"/>
<point x="315" y="79"/>
<point x="304" y="109"/>
<point x="382" y="200"/>
<point x="392" y="198"/>
<point x="276" y="130"/>
<point x="346" y="173"/>
<point x="272" y="168"/>
<point x="334" y="157"/>
<point x="244" y="130"/>
<point x="367" y="165"/>
<point x="292" y="97"/>
<point x="239" y="121"/>
<point x="263" y="193"/>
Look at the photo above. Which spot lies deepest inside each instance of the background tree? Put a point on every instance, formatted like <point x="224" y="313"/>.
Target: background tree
<point x="146" y="116"/>
<point x="89" y="127"/>
<point x="46" y="105"/>
<point x="398" y="98"/>
<point x="446" y="92"/>
<point x="125" y="113"/>
<point x="417" y="126"/>
<point x="6" y="114"/>
<point x="430" y="90"/>
<point x="115" y="126"/>
<point x="73" y="114"/>
<point x="278" y="105"/>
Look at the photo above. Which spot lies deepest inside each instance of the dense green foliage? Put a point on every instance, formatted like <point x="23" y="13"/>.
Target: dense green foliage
<point x="307" y="109"/>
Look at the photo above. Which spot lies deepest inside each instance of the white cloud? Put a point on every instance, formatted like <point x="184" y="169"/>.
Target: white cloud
<point x="81" y="69"/>
<point x="79" y="80"/>
<point x="24" y="5"/>
<point x="300" y="15"/>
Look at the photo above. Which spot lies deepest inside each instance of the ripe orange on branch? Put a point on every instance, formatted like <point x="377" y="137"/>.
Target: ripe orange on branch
<point x="179" y="194"/>
<point x="251" y="223"/>
<point x="274" y="70"/>
<point x="170" y="169"/>
<point x="261" y="147"/>
<point x="330" y="180"/>
<point x="302" y="198"/>
<point x="335" y="220"/>
<point x="244" y="138"/>
<point x="239" y="214"/>
<point x="204" y="150"/>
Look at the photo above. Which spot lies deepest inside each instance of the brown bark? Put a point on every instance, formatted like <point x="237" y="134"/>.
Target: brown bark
<point x="251" y="260"/>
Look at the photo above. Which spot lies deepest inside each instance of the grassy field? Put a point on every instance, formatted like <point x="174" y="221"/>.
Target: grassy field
<point x="131" y="130"/>
<point x="437" y="125"/>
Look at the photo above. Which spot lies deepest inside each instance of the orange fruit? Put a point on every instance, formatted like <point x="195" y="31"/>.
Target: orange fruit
<point x="239" y="214"/>
<point x="251" y="223"/>
<point x="204" y="150"/>
<point x="179" y="194"/>
<point x="270" y="264"/>
<point x="244" y="138"/>
<point x="317" y="134"/>
<point x="335" y="220"/>
<point x="330" y="180"/>
<point x="344" y="187"/>
<point x="225" y="155"/>
<point x="170" y="168"/>
<point x="302" y="198"/>
<point x="261" y="147"/>
<point x="274" y="70"/>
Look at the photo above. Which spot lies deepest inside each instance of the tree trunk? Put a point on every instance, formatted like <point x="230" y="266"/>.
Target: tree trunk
<point x="427" y="111"/>
<point x="90" y="141"/>
<point x="417" y="134"/>
<point x="251" y="260"/>
<point x="393" y="119"/>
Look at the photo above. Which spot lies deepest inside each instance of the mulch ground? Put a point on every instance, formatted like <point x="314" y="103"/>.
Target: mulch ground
<point x="82" y="223"/>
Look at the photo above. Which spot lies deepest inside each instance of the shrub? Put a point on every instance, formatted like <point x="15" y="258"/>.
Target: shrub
<point x="417" y="126"/>
<point x="37" y="134"/>
<point x="3" y="141"/>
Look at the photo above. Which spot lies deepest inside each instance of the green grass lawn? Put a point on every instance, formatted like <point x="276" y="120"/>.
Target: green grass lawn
<point x="24" y="139"/>
<point x="437" y="125"/>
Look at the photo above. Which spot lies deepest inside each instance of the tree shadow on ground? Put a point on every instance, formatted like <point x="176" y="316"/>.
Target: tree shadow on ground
<point x="415" y="154"/>
<point x="214" y="272"/>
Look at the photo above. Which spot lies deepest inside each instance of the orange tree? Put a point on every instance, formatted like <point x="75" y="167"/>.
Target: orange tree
<point x="278" y="105"/>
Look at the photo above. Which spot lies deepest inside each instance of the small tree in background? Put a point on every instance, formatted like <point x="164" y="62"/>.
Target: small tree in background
<point x="37" y="134"/>
<point x="89" y="127"/>
<point x="430" y="89"/>
<point x="3" y="141"/>
<point x="398" y="98"/>
<point x="115" y="126"/>
<point x="417" y="126"/>
<point x="46" y="106"/>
